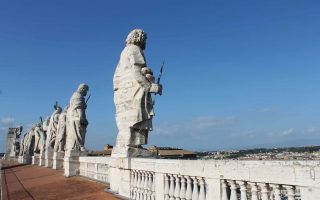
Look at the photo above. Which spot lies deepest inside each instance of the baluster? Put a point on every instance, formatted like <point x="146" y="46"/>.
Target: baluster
<point x="189" y="188"/>
<point x="224" y="190"/>
<point x="166" y="187"/>
<point x="149" y="186"/>
<point x="177" y="188"/>
<point x="264" y="191"/>
<point x="233" y="188"/>
<point x="254" y="191"/>
<point x="139" y="186"/>
<point x="153" y="195"/>
<point x="145" y="186"/>
<point x="202" y="195"/>
<point x="171" y="190"/>
<point x="276" y="191"/>
<point x="195" y="192"/>
<point x="131" y="184"/>
<point x="183" y="188"/>
<point x="243" y="190"/>
<point x="290" y="192"/>
<point x="135" y="180"/>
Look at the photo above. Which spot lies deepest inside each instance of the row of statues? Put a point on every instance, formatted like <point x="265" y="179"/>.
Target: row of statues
<point x="133" y="82"/>
<point x="62" y="131"/>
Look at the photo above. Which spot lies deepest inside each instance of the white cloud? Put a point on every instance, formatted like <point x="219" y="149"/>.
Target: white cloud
<point x="6" y="121"/>
<point x="287" y="132"/>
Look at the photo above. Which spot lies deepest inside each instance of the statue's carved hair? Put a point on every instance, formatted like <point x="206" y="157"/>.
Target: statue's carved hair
<point x="136" y="36"/>
<point x="82" y="87"/>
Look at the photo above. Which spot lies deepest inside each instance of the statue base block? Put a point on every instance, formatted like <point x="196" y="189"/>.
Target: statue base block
<point x="35" y="159"/>
<point x="58" y="160"/>
<point x="48" y="158"/>
<point x="131" y="152"/>
<point x="25" y="159"/>
<point x="71" y="162"/>
<point x="41" y="159"/>
<point x="120" y="176"/>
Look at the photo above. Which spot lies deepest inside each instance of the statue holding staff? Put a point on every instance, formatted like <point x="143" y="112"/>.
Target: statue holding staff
<point x="133" y="85"/>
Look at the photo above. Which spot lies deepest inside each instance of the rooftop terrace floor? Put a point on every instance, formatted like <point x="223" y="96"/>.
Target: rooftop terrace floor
<point x="24" y="182"/>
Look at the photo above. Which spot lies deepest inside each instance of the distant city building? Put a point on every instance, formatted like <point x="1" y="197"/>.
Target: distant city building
<point x="169" y="152"/>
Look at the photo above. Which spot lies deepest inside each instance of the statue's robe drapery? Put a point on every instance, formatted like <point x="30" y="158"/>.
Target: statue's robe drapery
<point x="52" y="129"/>
<point x="42" y="142"/>
<point x="36" y="139"/>
<point x="131" y="96"/>
<point x="29" y="143"/>
<point x="75" y="130"/>
<point x="22" y="145"/>
<point x="61" y="133"/>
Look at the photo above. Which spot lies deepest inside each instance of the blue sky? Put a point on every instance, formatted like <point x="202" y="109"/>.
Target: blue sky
<point x="238" y="74"/>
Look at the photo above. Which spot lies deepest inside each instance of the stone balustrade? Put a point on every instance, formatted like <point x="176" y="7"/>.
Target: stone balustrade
<point x="166" y="179"/>
<point x="142" y="185"/>
<point x="244" y="190"/>
<point x="178" y="187"/>
<point x="96" y="168"/>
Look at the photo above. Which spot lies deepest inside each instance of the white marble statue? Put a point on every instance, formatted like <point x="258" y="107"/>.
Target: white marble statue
<point x="59" y="145"/>
<point x="40" y="138"/>
<point x="15" y="143"/>
<point x="133" y="84"/>
<point x="76" y="120"/>
<point x="36" y="138"/>
<point x="29" y="142"/>
<point x="52" y="127"/>
<point x="42" y="142"/>
<point x="22" y="144"/>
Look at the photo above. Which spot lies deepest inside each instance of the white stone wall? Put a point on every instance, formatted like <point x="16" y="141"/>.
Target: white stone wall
<point x="96" y="168"/>
<point x="141" y="178"/>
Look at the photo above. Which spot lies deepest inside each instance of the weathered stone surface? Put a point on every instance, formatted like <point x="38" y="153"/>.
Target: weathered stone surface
<point x="35" y="159"/>
<point x="133" y="84"/>
<point x="39" y="139"/>
<point x="76" y="120"/>
<point x="49" y="158"/>
<point x="60" y="142"/>
<point x="71" y="162"/>
<point x="57" y="160"/>
<point x="53" y="127"/>
<point x="303" y="175"/>
<point x="42" y="159"/>
<point x="13" y="145"/>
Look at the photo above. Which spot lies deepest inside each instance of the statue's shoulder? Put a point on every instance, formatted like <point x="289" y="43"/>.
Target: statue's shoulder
<point x="132" y="49"/>
<point x="76" y="95"/>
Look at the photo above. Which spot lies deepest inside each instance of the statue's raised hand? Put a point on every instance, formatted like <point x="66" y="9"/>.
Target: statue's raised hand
<point x="156" y="88"/>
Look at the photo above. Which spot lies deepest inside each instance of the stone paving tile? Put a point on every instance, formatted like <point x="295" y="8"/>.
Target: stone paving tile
<point x="33" y="182"/>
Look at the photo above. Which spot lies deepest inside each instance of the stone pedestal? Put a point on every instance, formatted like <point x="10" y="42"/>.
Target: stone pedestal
<point x="120" y="176"/>
<point x="35" y="159"/>
<point x="49" y="158"/>
<point x="71" y="162"/>
<point x="25" y="159"/>
<point x="41" y="159"/>
<point x="58" y="160"/>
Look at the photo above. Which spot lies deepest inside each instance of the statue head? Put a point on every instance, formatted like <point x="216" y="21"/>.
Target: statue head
<point x="83" y="89"/>
<point x="19" y="130"/>
<point x="58" y="109"/>
<point x="137" y="37"/>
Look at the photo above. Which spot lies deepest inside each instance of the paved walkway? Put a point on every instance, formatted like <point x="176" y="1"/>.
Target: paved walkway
<point x="33" y="182"/>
